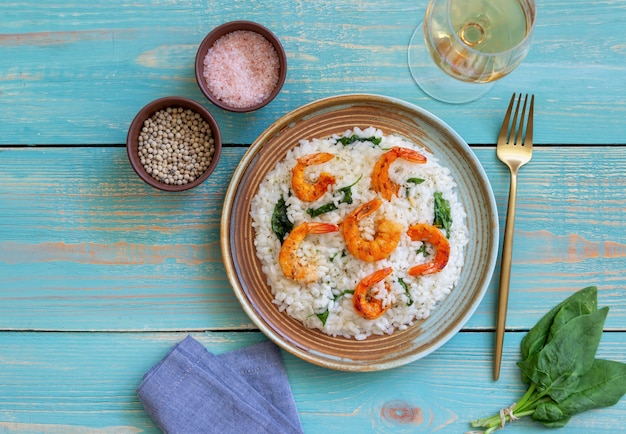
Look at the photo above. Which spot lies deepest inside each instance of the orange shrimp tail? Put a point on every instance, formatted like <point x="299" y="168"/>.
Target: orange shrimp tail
<point x="367" y="209"/>
<point x="410" y="155"/>
<point x="432" y="235"/>
<point x="424" y="269"/>
<point x="319" y="158"/>
<point x="368" y="307"/>
<point x="376" y="276"/>
<point x="321" y="228"/>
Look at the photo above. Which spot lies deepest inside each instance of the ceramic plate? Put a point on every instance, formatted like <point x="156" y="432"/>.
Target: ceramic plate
<point x="321" y="119"/>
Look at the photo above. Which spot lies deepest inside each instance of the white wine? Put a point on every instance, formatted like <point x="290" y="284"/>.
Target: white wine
<point x="474" y="40"/>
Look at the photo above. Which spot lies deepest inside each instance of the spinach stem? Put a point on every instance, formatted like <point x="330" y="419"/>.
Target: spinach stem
<point x="524" y="407"/>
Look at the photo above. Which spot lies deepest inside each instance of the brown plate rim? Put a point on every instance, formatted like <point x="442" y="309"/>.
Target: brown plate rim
<point x="327" y="359"/>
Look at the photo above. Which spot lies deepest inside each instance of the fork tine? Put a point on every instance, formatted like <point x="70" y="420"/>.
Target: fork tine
<point x="518" y="141"/>
<point x="505" y="122"/>
<point x="511" y="137"/>
<point x="509" y="133"/>
<point x="528" y="138"/>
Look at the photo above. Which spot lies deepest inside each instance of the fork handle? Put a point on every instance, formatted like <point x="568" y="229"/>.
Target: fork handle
<point x="505" y="275"/>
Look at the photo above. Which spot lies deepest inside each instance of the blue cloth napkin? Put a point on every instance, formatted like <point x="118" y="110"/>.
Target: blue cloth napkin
<point x="192" y="391"/>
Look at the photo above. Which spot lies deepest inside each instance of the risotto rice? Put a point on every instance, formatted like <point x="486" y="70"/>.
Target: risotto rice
<point x="326" y="304"/>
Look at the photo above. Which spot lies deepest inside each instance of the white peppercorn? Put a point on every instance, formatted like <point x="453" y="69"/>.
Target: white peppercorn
<point x="176" y="145"/>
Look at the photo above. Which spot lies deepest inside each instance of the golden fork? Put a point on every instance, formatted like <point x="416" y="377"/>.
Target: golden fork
<point x="514" y="149"/>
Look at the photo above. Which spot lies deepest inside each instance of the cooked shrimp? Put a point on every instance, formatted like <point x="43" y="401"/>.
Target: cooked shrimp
<point x="305" y="190"/>
<point x="387" y="237"/>
<point x="432" y="235"/>
<point x="288" y="257"/>
<point x="380" y="175"/>
<point x="366" y="306"/>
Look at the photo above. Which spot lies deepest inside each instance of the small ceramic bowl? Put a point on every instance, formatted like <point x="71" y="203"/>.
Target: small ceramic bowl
<point x="226" y="100"/>
<point x="132" y="141"/>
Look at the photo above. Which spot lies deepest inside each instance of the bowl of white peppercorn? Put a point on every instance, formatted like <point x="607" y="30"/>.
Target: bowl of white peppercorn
<point x="240" y="66"/>
<point x="173" y="144"/>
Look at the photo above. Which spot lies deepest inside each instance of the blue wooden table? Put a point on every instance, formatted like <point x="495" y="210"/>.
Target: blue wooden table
<point x="100" y="274"/>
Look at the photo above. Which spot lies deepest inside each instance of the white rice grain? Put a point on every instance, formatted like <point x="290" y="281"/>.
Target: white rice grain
<point x="339" y="270"/>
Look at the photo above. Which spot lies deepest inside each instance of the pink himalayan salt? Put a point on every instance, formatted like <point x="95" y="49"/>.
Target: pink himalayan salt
<point x="241" y="69"/>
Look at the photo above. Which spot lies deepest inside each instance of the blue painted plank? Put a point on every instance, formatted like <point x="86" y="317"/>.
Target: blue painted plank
<point x="85" y="245"/>
<point x="77" y="72"/>
<point x="75" y="383"/>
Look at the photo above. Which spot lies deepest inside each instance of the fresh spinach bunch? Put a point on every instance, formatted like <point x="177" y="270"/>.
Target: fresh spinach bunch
<point x="559" y="363"/>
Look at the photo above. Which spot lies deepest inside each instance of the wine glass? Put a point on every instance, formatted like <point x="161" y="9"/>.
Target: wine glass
<point x="463" y="46"/>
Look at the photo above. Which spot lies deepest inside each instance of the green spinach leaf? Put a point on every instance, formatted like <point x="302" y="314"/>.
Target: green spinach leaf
<point x="345" y="141"/>
<point x="347" y="191"/>
<point x="575" y="308"/>
<point x="560" y="423"/>
<point x="549" y="413"/>
<point x="537" y="337"/>
<point x="406" y="291"/>
<point x="443" y="218"/>
<point x="557" y="368"/>
<point x="423" y="250"/>
<point x="342" y="293"/>
<point x="323" y="317"/>
<point x="281" y="225"/>
<point x="603" y="385"/>
<point x="315" y="212"/>
<point x="330" y="206"/>
<point x="415" y="181"/>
